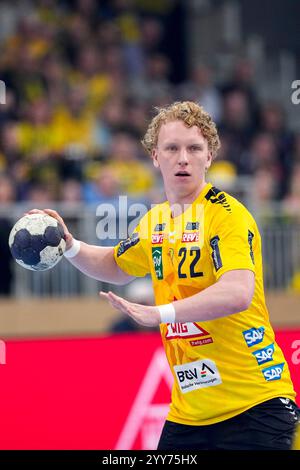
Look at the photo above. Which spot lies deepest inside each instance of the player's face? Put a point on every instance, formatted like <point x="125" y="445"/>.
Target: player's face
<point x="183" y="157"/>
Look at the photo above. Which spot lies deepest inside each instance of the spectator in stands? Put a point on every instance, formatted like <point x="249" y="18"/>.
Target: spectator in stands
<point x="242" y="79"/>
<point x="291" y="203"/>
<point x="200" y="88"/>
<point x="78" y="71"/>
<point x="264" y="157"/>
<point x="110" y="118"/>
<point x="35" y="134"/>
<point x="296" y="152"/>
<point x="155" y="83"/>
<point x="135" y="177"/>
<point x="6" y="271"/>
<point x="7" y="197"/>
<point x="9" y="145"/>
<point x="236" y="127"/>
<point x="273" y="121"/>
<point x="40" y="194"/>
<point x="104" y="186"/>
<point x="71" y="192"/>
<point x="264" y="188"/>
<point x="7" y="190"/>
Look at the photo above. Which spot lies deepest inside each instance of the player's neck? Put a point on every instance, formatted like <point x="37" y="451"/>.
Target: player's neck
<point x="180" y="202"/>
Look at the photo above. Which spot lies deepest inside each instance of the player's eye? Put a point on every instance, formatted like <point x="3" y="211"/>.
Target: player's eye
<point x="171" y="148"/>
<point x="195" y="148"/>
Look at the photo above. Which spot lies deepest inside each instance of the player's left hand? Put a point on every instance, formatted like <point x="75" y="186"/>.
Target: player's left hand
<point x="143" y="314"/>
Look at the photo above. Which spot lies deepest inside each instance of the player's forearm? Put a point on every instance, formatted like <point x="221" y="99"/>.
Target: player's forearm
<point x="98" y="262"/>
<point x="219" y="300"/>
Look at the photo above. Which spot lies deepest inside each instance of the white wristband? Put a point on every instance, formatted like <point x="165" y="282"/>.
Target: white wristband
<point x="74" y="250"/>
<point x="167" y="313"/>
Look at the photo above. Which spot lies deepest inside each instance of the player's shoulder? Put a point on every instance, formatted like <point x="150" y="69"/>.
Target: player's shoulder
<point x="221" y="204"/>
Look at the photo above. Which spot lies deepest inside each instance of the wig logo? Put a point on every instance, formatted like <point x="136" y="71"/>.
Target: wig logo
<point x="2" y="353"/>
<point x="2" y="92"/>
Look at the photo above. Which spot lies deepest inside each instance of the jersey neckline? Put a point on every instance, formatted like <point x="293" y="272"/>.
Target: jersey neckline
<point x="198" y="200"/>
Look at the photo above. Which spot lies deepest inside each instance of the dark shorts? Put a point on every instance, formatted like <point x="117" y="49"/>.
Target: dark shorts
<point x="268" y="426"/>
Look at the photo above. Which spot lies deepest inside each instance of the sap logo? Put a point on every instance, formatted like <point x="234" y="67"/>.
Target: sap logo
<point x="273" y="372"/>
<point x="188" y="237"/>
<point x="157" y="238"/>
<point x="254" y="336"/>
<point x="265" y="354"/>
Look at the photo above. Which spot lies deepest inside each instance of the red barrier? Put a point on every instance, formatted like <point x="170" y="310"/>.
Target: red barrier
<point x="105" y="393"/>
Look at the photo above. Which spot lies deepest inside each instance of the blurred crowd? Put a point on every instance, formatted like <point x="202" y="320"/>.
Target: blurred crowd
<point x="82" y="78"/>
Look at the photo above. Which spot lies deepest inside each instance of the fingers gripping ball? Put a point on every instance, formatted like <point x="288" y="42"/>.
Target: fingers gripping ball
<point x="37" y="242"/>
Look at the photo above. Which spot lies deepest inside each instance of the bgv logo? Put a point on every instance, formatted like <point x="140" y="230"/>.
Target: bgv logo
<point x="265" y="354"/>
<point x="191" y="374"/>
<point x="273" y="372"/>
<point x="198" y="374"/>
<point x="254" y="336"/>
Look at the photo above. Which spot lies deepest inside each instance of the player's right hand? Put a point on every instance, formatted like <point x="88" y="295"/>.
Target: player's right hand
<point x="67" y="235"/>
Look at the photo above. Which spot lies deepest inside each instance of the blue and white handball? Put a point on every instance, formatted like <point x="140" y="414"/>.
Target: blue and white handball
<point x="37" y="242"/>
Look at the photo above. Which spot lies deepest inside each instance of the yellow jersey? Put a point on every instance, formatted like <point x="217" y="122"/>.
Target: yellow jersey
<point x="227" y="365"/>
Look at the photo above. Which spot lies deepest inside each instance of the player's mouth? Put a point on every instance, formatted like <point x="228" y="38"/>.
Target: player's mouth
<point x="182" y="173"/>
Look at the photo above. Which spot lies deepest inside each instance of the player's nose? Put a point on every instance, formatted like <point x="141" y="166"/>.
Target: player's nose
<point x="183" y="157"/>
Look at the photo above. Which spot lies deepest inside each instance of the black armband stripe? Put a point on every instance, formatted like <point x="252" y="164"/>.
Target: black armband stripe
<point x="250" y="241"/>
<point x="126" y="244"/>
<point x="216" y="255"/>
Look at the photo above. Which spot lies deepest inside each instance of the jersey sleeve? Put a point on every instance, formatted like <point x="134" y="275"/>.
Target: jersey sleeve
<point x="131" y="257"/>
<point x="231" y="241"/>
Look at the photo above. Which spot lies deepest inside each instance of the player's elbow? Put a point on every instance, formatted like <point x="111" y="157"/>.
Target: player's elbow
<point x="243" y="298"/>
<point x="239" y="285"/>
<point x="121" y="282"/>
<point x="121" y="278"/>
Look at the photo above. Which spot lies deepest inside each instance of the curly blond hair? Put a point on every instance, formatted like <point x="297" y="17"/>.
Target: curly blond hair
<point x="191" y="114"/>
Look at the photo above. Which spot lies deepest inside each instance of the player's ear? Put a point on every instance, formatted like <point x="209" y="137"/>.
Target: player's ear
<point x="154" y="158"/>
<point x="209" y="161"/>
